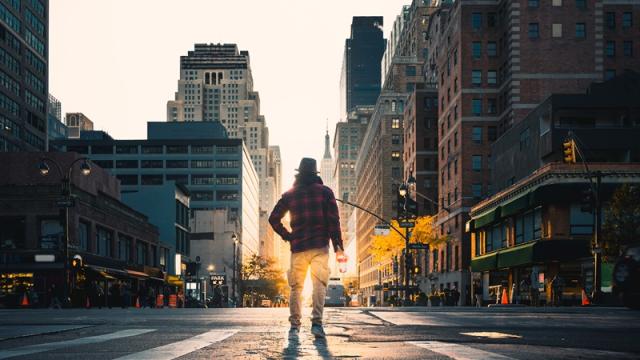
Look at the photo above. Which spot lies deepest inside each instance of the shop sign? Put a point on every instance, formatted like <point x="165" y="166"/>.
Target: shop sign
<point x="45" y="258"/>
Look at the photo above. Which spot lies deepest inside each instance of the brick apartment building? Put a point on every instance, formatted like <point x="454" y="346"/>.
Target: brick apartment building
<point x="493" y="62"/>
<point x="116" y="242"/>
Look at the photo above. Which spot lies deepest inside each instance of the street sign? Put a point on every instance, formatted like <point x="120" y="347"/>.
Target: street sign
<point x="381" y="229"/>
<point x="406" y="223"/>
<point x="419" y="246"/>
<point x="218" y="279"/>
<point x="65" y="203"/>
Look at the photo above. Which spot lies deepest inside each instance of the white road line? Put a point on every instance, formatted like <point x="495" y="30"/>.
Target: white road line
<point x="457" y="351"/>
<point x="38" y="348"/>
<point x="180" y="348"/>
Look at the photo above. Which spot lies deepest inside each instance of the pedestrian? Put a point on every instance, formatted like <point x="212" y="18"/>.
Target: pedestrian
<point x="477" y="294"/>
<point x="54" y="295"/>
<point x="99" y="291"/>
<point x="151" y="296"/>
<point x="534" y="292"/>
<point x="217" y="296"/>
<point x="455" y="296"/>
<point x="314" y="220"/>
<point x="557" y="285"/>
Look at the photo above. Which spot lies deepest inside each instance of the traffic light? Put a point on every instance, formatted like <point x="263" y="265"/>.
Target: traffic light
<point x="569" y="151"/>
<point x="192" y="268"/>
<point x="76" y="263"/>
<point x="400" y="209"/>
<point x="586" y="201"/>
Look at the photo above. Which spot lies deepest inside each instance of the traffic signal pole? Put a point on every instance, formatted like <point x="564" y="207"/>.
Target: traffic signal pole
<point x="570" y="150"/>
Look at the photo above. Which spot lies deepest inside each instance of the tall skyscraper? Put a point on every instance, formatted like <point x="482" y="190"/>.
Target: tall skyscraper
<point x="360" y="77"/>
<point x="24" y="55"/>
<point x="216" y="84"/>
<point x="326" y="165"/>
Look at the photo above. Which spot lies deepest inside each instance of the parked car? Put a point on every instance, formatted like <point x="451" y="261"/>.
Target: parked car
<point x="626" y="278"/>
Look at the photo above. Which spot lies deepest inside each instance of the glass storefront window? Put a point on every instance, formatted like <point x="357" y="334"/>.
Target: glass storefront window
<point x="51" y="234"/>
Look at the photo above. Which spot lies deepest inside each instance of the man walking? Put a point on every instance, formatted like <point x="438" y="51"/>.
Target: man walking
<point x="314" y="220"/>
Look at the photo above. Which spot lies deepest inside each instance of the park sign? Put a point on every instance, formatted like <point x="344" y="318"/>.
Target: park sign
<point x="218" y="279"/>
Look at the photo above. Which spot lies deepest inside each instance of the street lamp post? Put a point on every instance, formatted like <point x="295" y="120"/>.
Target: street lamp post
<point x="66" y="203"/>
<point x="234" y="237"/>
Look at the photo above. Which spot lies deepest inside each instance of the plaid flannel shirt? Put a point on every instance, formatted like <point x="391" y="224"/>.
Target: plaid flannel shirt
<point x="314" y="218"/>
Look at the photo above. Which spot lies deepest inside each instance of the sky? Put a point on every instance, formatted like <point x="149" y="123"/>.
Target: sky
<point x="118" y="61"/>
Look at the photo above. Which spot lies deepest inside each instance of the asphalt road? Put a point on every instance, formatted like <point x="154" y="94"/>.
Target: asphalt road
<point x="261" y="333"/>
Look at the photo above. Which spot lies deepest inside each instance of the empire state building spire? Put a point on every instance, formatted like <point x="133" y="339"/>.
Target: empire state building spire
<point x="327" y="151"/>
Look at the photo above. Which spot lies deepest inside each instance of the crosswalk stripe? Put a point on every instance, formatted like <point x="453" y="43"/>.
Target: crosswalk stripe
<point x="33" y="349"/>
<point x="177" y="349"/>
<point x="457" y="351"/>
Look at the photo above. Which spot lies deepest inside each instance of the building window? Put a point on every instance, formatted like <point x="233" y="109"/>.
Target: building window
<point x="201" y="164"/>
<point x="103" y="242"/>
<point x="534" y="3"/>
<point x="556" y="30"/>
<point x="492" y="106"/>
<point x="492" y="77"/>
<point x="611" y="48"/>
<point x="51" y="234"/>
<point x="609" y="74"/>
<point x="492" y="19"/>
<point x="201" y="149"/>
<point x="476" y="49"/>
<point x="581" y="223"/>
<point x="628" y="48"/>
<point x="556" y="2"/>
<point x="126" y="149"/>
<point x="202" y="195"/>
<point x="581" y="4"/>
<point x="492" y="133"/>
<point x="476" y="134"/>
<point x="124" y="247"/>
<point x="581" y="31"/>
<point x="534" y="32"/>
<point x="128" y="179"/>
<point x="395" y="155"/>
<point x="476" y="77"/>
<point x="178" y="178"/>
<point x="203" y="179"/>
<point x="476" y="20"/>
<point x="476" y="162"/>
<point x="177" y="149"/>
<point x="492" y="49"/>
<point x="126" y="164"/>
<point x="410" y="71"/>
<point x="395" y="172"/>
<point x="627" y="20"/>
<point x="83" y="235"/>
<point x="151" y="179"/>
<point x="177" y="164"/>
<point x="395" y="124"/>
<point x="476" y="105"/>
<point x="395" y="139"/>
<point x="476" y="190"/>
<point x="151" y="164"/>
<point x="226" y="195"/>
<point x="152" y="149"/>
<point x="611" y="20"/>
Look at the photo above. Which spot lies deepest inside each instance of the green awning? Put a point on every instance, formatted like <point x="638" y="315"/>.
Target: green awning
<point x="515" y="256"/>
<point x="484" y="262"/>
<point x="515" y="205"/>
<point x="487" y="218"/>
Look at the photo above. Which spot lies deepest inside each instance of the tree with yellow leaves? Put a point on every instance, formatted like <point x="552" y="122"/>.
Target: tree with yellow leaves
<point x="384" y="247"/>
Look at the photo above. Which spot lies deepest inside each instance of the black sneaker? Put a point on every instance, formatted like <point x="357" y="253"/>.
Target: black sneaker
<point x="318" y="331"/>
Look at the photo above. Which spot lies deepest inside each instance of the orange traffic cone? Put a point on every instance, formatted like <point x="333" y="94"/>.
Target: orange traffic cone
<point x="88" y="303"/>
<point x="585" y="299"/>
<point x="25" y="300"/>
<point x="138" y="302"/>
<point x="505" y="298"/>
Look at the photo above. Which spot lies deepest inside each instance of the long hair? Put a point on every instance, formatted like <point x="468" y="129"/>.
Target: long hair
<point x="306" y="179"/>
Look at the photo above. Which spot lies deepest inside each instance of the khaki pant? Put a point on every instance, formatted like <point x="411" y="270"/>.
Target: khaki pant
<point x="318" y="260"/>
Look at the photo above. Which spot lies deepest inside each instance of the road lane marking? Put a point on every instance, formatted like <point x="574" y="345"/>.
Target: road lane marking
<point x="492" y="335"/>
<point x="457" y="351"/>
<point x="180" y="348"/>
<point x="38" y="348"/>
